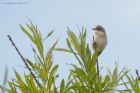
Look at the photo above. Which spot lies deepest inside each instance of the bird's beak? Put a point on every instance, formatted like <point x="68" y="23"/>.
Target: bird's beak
<point x="93" y="28"/>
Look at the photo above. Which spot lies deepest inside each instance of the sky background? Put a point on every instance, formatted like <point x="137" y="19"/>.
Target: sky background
<point x="120" y="18"/>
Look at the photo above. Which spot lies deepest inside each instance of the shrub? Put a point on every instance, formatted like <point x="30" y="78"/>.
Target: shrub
<point x="82" y="79"/>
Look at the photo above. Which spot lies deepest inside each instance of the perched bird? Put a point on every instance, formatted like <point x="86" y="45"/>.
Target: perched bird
<point x="99" y="41"/>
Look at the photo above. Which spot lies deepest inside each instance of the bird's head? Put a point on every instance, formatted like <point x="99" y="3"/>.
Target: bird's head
<point x="99" y="28"/>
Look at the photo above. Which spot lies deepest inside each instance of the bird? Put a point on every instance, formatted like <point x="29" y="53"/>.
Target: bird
<point x="99" y="41"/>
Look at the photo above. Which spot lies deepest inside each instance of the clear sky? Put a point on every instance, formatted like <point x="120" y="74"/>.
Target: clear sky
<point x="121" y="19"/>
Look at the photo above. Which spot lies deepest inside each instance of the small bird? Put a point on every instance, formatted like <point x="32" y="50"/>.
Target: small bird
<point x="99" y="41"/>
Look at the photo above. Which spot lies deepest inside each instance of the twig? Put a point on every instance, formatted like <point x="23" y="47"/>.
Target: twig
<point x="23" y="60"/>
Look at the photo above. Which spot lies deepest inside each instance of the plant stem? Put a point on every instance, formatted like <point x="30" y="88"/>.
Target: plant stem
<point x="24" y="60"/>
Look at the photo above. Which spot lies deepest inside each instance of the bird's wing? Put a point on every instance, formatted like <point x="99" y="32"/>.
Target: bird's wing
<point x="94" y="44"/>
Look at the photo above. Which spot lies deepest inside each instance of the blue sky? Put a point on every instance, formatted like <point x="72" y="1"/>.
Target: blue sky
<point x="119" y="17"/>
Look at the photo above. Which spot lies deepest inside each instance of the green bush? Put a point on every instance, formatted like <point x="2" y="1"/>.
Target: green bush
<point x="82" y="79"/>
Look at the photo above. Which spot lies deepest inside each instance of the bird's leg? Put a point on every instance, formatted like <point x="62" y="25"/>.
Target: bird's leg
<point x="98" y="62"/>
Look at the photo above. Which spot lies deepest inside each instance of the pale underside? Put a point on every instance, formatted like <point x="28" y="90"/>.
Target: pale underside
<point x="99" y="41"/>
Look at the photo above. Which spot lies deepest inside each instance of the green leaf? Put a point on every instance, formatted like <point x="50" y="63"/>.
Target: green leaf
<point x="51" y="48"/>
<point x="106" y="81"/>
<point x="68" y="43"/>
<point x="134" y="83"/>
<point x="22" y="85"/>
<point x="74" y="41"/>
<point x="62" y="86"/>
<point x="30" y="27"/>
<point x="48" y="57"/>
<point x="65" y="50"/>
<point x="13" y="89"/>
<point x="52" y="75"/>
<point x="30" y="83"/>
<point x="43" y="74"/>
<point x="50" y="82"/>
<point x="53" y="71"/>
<point x="81" y="73"/>
<point x="27" y="33"/>
<point x="35" y="67"/>
<point x="55" y="90"/>
<point x="49" y="34"/>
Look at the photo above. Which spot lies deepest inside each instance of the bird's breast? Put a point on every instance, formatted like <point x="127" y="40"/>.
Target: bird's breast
<point x="101" y="41"/>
